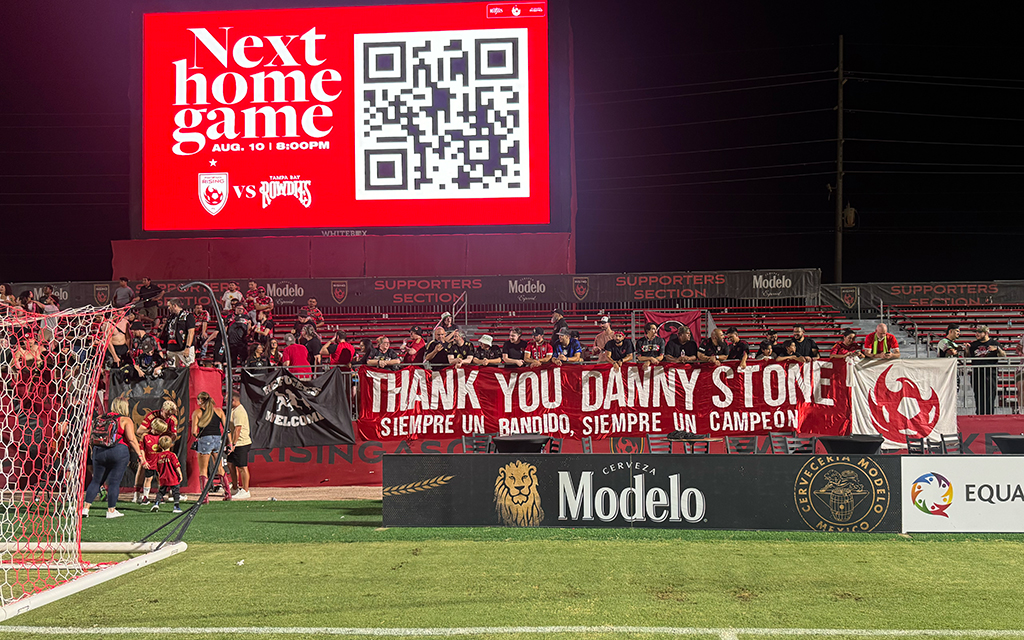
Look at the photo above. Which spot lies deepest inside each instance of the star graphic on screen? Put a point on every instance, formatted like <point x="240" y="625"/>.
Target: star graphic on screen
<point x="147" y="389"/>
<point x="213" y="163"/>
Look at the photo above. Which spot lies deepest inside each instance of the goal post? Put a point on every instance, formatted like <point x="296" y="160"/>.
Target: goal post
<point x="50" y="367"/>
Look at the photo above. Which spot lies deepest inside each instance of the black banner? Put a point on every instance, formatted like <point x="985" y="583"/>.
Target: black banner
<point x="150" y="394"/>
<point x="542" y="289"/>
<point x="765" y="492"/>
<point x="851" y="297"/>
<point x="289" y="412"/>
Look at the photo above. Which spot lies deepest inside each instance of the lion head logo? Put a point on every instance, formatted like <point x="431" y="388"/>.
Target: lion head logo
<point x="515" y="495"/>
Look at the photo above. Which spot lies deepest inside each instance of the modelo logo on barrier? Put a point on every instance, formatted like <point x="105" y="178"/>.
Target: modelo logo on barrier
<point x="771" y="284"/>
<point x="285" y="292"/>
<point x="841" y="493"/>
<point x="582" y="501"/>
<point x="526" y="289"/>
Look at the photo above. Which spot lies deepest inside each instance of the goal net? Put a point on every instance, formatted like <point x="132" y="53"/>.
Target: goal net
<point x="49" y="371"/>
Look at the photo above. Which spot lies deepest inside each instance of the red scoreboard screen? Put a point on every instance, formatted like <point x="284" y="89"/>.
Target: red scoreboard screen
<point x="350" y="117"/>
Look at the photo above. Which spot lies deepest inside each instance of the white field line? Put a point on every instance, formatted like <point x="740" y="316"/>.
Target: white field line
<point x="722" y="633"/>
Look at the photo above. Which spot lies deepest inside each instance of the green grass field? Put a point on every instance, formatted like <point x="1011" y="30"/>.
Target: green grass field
<point x="330" y="564"/>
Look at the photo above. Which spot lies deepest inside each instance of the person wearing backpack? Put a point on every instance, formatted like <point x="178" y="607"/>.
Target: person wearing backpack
<point x="110" y="437"/>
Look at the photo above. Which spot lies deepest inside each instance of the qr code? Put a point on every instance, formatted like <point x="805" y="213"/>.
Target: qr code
<point x="442" y="114"/>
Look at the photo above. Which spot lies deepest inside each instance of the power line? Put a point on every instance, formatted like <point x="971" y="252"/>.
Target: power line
<point x="687" y="124"/>
<point x="918" y="75"/>
<point x="683" y="184"/>
<point x="935" y="84"/>
<point x="711" y="53"/>
<point x="681" y="153"/>
<point x="688" y="173"/>
<point x="949" y="173"/>
<point x="936" y="164"/>
<point x="702" y="84"/>
<point x="951" y="144"/>
<point x="933" y="115"/>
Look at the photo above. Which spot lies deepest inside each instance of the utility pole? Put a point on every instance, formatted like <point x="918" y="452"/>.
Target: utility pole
<point x="839" y="173"/>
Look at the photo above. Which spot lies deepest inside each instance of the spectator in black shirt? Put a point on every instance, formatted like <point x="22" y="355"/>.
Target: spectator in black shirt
<point x="460" y="352"/>
<point x="983" y="378"/>
<point x="513" y="352"/>
<point x="790" y="355"/>
<point x="149" y="295"/>
<point x="437" y="349"/>
<point x="309" y="339"/>
<point x="487" y="354"/>
<point x="771" y="346"/>
<point x="301" y="320"/>
<point x="650" y="349"/>
<point x="448" y="324"/>
<point x="681" y="348"/>
<point x="620" y="349"/>
<point x="181" y="333"/>
<point x="262" y="330"/>
<point x="362" y="351"/>
<point x="738" y="349"/>
<point x="713" y="349"/>
<point x="384" y="357"/>
<point x="805" y="346"/>
<point x="557" y="319"/>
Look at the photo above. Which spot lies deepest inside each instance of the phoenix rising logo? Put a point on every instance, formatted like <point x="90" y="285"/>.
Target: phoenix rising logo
<point x="299" y="189"/>
<point x="894" y="424"/>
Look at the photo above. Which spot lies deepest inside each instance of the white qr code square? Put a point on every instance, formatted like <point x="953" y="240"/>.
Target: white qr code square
<point x="442" y="114"/>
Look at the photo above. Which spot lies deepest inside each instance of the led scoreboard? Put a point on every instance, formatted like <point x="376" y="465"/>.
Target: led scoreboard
<point x="380" y="117"/>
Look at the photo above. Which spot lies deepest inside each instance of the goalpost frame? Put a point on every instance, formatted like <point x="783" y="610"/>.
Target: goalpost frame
<point x="154" y="553"/>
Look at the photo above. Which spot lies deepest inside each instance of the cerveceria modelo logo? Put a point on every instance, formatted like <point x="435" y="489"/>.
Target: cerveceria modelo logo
<point x="841" y="493"/>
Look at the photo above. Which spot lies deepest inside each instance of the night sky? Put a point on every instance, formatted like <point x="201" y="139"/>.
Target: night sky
<point x="656" y="189"/>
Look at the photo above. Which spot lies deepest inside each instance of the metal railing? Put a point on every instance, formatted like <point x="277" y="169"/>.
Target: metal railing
<point x="989" y="386"/>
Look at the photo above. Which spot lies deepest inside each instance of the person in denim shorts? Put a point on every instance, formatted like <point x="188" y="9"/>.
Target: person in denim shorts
<point x="207" y="428"/>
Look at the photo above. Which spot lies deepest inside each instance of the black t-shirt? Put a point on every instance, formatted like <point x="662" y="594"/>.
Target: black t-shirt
<point x="737" y="350"/>
<point x="390" y="354"/>
<point x="461" y="352"/>
<point x="177" y="330"/>
<point x="807" y="348"/>
<point x="488" y="353"/>
<point x="514" y="350"/>
<point x="559" y="325"/>
<point x="237" y="331"/>
<point x="676" y="349"/>
<point x="313" y="347"/>
<point x="709" y="348"/>
<point x="619" y="351"/>
<point x="441" y="357"/>
<point x="979" y="349"/>
<point x="298" y="324"/>
<point x="650" y="348"/>
<point x="147" y="293"/>
<point x="777" y="348"/>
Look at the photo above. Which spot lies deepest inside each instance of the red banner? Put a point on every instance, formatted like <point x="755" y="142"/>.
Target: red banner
<point x="601" y="402"/>
<point x="669" y="322"/>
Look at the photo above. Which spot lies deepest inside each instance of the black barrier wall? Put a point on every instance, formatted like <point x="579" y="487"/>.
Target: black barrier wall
<point x="783" y="493"/>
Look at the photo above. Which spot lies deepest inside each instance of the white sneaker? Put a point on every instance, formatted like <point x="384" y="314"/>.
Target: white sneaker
<point x="85" y="513"/>
<point x="176" y="510"/>
<point x="114" y="514"/>
<point x="241" y="495"/>
<point x="135" y="498"/>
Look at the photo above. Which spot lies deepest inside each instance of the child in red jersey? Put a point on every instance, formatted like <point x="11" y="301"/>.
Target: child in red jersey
<point x="149" y="441"/>
<point x="169" y="472"/>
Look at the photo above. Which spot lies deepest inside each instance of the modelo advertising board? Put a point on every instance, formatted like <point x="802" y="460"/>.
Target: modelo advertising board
<point x="412" y="115"/>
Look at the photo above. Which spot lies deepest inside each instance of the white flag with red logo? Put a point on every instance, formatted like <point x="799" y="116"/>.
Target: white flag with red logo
<point x="901" y="399"/>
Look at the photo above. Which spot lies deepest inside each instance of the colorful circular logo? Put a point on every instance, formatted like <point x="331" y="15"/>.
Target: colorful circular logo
<point x="932" y="494"/>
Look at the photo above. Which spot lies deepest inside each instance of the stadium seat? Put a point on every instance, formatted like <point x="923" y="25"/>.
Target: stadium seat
<point x="694" y="448"/>
<point x="588" y="444"/>
<point x="477" y="444"/>
<point x="657" y="443"/>
<point x="916" y="447"/>
<point x="952" y="444"/>
<point x="779" y="441"/>
<point x="555" y="445"/>
<point x="741" y="444"/>
<point x="800" y="444"/>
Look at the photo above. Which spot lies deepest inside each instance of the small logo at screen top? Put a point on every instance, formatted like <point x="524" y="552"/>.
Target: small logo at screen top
<point x="213" y="191"/>
<point x="932" y="494"/>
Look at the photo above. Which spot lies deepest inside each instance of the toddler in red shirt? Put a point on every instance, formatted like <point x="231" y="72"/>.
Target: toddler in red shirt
<point x="169" y="472"/>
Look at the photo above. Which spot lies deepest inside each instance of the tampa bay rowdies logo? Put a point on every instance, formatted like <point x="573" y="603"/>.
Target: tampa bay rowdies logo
<point x="903" y="412"/>
<point x="213" y="191"/>
<point x="932" y="494"/>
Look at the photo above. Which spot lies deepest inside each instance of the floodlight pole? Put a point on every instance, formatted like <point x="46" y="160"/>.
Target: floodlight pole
<point x="839" y="172"/>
